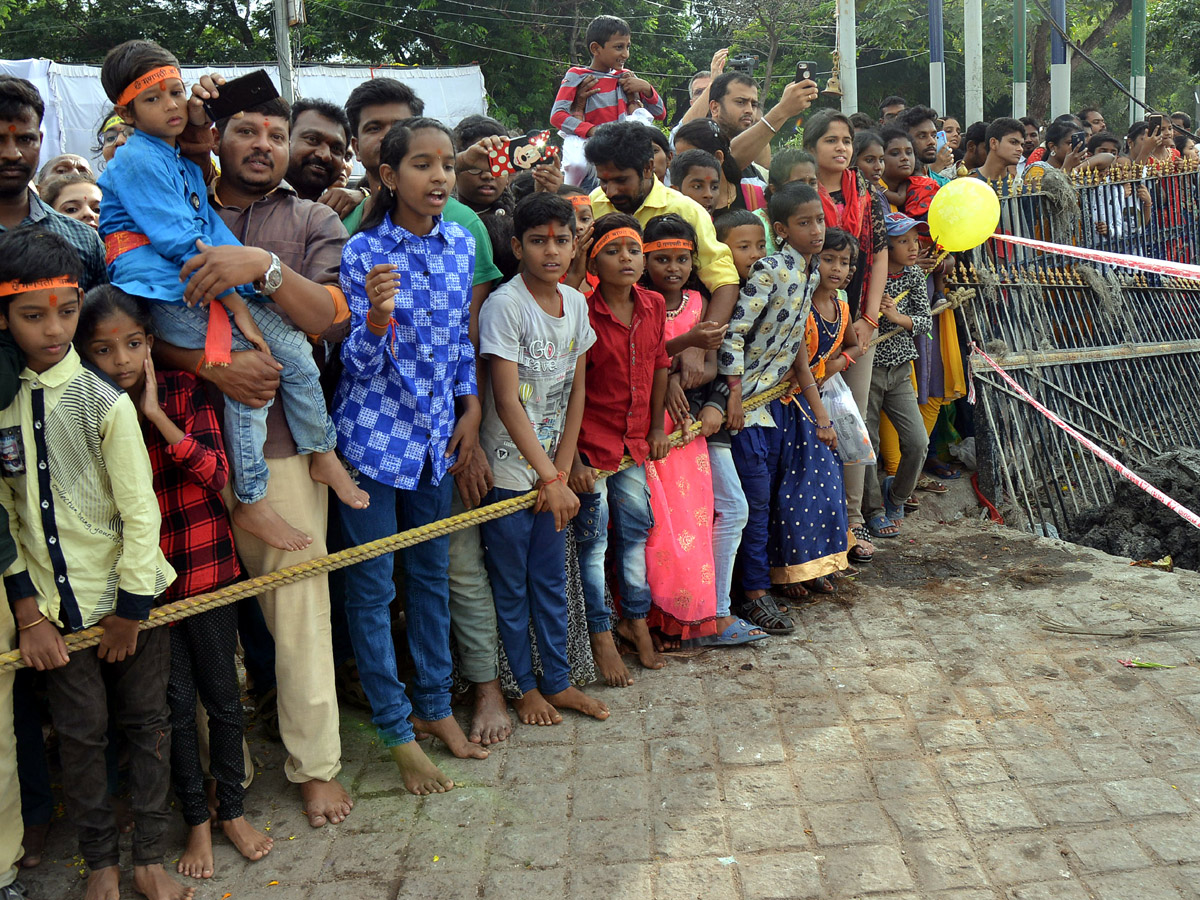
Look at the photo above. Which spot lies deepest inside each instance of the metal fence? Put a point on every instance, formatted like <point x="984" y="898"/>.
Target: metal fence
<point x="1114" y="352"/>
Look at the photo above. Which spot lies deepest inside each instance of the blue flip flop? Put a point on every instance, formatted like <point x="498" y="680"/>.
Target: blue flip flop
<point x="876" y="526"/>
<point x="736" y="634"/>
<point x="895" y="513"/>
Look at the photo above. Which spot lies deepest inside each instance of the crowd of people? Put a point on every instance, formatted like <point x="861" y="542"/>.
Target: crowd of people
<point x="198" y="344"/>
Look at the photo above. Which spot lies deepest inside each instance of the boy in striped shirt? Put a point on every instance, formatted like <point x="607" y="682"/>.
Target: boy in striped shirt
<point x="608" y="87"/>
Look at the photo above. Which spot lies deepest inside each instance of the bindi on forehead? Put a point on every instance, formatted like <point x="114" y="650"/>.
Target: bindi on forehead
<point x="12" y="129"/>
<point x="53" y="299"/>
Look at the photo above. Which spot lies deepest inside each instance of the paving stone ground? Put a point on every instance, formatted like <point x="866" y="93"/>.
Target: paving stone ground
<point x="918" y="738"/>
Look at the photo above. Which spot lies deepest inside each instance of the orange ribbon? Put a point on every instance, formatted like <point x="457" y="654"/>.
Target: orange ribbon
<point x="11" y="288"/>
<point x="578" y="200"/>
<point x="615" y="235"/>
<point x="668" y="244"/>
<point x="151" y="78"/>
<point x="122" y="242"/>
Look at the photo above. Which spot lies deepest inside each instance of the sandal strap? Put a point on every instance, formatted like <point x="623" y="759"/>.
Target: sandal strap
<point x="769" y="610"/>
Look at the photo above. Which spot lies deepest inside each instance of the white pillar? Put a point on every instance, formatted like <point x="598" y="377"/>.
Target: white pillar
<point x="1060" y="65"/>
<point x="1138" y="89"/>
<point x="973" y="58"/>
<point x="848" y="55"/>
<point x="1020" y="99"/>
<point x="937" y="88"/>
<point x="283" y="51"/>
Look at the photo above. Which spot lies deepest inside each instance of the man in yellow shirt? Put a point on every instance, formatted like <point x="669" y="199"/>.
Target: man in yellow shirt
<point x="624" y="159"/>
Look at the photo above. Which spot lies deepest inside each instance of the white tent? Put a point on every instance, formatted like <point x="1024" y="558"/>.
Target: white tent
<point x="75" y="102"/>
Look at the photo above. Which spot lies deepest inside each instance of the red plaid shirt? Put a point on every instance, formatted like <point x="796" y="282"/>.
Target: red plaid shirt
<point x="196" y="537"/>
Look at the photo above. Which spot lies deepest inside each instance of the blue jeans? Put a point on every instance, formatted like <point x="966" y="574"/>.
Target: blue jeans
<point x="755" y="452"/>
<point x="370" y="590"/>
<point x="526" y="559"/>
<point x="245" y="428"/>
<point x="625" y="499"/>
<point x="731" y="513"/>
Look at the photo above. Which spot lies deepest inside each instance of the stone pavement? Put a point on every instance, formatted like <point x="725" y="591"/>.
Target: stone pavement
<point x="919" y="738"/>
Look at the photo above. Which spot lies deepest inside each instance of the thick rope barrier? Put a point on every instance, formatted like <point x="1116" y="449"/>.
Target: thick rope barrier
<point x="191" y="606"/>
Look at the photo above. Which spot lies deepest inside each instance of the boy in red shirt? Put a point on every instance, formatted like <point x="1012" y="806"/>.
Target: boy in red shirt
<point x="626" y="391"/>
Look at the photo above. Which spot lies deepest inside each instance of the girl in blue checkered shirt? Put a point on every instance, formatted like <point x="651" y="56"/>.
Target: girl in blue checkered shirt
<point x="407" y="417"/>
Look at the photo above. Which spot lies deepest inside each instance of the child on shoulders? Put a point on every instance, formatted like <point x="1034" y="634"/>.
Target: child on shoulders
<point x="614" y="89"/>
<point x="535" y="334"/>
<point x="79" y="494"/>
<point x="623" y="413"/>
<point x="155" y="219"/>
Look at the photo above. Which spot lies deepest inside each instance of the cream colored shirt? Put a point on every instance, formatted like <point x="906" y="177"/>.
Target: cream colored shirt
<point x="77" y="486"/>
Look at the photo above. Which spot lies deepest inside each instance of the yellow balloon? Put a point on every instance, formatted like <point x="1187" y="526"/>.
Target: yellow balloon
<point x="963" y="214"/>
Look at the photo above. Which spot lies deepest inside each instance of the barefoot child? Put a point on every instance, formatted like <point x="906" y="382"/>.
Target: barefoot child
<point x="187" y="457"/>
<point x="405" y="407"/>
<point x="679" y="551"/>
<point x="155" y="218"/>
<point x="892" y="389"/>
<point x="535" y="335"/>
<point x="627" y="386"/>
<point x="765" y="338"/>
<point x="79" y="495"/>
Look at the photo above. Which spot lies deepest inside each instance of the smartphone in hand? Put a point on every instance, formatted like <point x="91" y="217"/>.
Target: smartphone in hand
<point x="241" y="94"/>
<point x="806" y="70"/>
<point x="1155" y="123"/>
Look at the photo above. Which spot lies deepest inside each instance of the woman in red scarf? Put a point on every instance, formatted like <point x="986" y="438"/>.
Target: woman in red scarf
<point x="851" y="205"/>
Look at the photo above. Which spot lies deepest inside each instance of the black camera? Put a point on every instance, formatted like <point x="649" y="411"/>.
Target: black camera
<point x="743" y="62"/>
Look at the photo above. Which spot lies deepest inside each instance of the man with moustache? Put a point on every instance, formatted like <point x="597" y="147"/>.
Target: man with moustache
<point x="301" y="241"/>
<point x="320" y="139"/>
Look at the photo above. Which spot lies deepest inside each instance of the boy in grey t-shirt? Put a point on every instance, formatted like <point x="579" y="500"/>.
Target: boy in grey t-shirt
<point x="534" y="334"/>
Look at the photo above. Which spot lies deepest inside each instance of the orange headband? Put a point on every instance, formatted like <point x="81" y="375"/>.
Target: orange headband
<point x="668" y="244"/>
<point x="157" y="76"/>
<point x="11" y="288"/>
<point x="615" y="235"/>
<point x="581" y="200"/>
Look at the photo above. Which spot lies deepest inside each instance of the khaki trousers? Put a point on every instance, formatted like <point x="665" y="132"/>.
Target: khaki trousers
<point x="858" y="379"/>
<point x="298" y="617"/>
<point x="11" y="828"/>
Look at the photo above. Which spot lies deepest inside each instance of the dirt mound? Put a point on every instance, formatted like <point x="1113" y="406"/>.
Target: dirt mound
<point x="1137" y="526"/>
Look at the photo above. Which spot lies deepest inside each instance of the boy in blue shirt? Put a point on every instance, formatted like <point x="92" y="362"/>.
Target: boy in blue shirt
<point x="155" y="217"/>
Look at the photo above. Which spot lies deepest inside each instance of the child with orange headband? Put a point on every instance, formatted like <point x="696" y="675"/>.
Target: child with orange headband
<point x="79" y="496"/>
<point x="623" y="414"/>
<point x="156" y="219"/>
<point x="684" y="579"/>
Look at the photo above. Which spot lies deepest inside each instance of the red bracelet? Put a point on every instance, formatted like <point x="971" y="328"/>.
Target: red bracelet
<point x="868" y="320"/>
<point x="562" y="476"/>
<point x="199" y="366"/>
<point x="850" y="360"/>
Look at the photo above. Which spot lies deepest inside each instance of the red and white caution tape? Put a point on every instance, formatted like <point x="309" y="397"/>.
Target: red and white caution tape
<point x="1141" y="263"/>
<point x="1110" y="460"/>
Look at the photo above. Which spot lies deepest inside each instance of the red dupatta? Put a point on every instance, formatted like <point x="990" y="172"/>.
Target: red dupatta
<point x="854" y="217"/>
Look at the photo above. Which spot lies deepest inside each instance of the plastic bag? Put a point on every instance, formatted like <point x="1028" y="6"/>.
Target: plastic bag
<point x="854" y="443"/>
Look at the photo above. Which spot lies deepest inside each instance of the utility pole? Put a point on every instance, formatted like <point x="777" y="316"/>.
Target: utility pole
<point x="1060" y="70"/>
<point x="937" y="59"/>
<point x="286" y="13"/>
<point x="1137" y="60"/>
<point x="973" y="58"/>
<point x="1020" y="94"/>
<point x="847" y="28"/>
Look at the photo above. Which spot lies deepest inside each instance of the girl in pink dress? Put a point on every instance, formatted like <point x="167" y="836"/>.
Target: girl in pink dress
<point x="679" y="555"/>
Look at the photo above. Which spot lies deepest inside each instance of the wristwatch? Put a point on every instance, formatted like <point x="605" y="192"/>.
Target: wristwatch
<point x="271" y="281"/>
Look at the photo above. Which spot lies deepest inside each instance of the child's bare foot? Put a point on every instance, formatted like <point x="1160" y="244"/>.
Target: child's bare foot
<point x="34" y="844"/>
<point x="326" y="468"/>
<point x="420" y="775"/>
<point x="104" y="884"/>
<point x="608" y="660"/>
<point x="532" y="709"/>
<point x="261" y="520"/>
<point x="325" y="801"/>
<point x="490" y="723"/>
<point x="450" y="733"/>
<point x="251" y="842"/>
<point x="637" y="633"/>
<point x="153" y="883"/>
<point x="574" y="698"/>
<point x="197" y="858"/>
